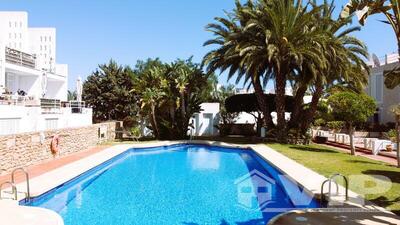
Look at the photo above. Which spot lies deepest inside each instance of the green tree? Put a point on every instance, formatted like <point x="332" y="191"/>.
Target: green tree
<point x="170" y="94"/>
<point x="286" y="41"/>
<point x="391" y="10"/>
<point x="71" y="95"/>
<point x="351" y="108"/>
<point x="222" y="94"/>
<point x="345" y="58"/>
<point x="107" y="91"/>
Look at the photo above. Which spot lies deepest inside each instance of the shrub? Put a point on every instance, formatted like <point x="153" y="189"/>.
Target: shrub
<point x="391" y="135"/>
<point x="129" y="122"/>
<point x="335" y="125"/>
<point x="319" y="122"/>
<point x="136" y="132"/>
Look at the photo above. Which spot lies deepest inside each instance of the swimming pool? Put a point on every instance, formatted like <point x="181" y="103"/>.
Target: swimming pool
<point x="179" y="184"/>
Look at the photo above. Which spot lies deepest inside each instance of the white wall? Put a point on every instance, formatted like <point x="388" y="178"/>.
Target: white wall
<point x="205" y="121"/>
<point x="20" y="119"/>
<point x="43" y="44"/>
<point x="14" y="30"/>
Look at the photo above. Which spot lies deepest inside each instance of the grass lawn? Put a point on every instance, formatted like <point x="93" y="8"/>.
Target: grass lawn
<point x="327" y="161"/>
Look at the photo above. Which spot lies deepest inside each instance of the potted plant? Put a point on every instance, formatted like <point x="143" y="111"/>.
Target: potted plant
<point x="391" y="135"/>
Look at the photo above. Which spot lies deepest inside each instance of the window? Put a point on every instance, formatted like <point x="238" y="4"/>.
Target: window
<point x="51" y="123"/>
<point x="9" y="24"/>
<point x="41" y="39"/>
<point x="20" y="24"/>
<point x="20" y="35"/>
<point x="49" y="38"/>
<point x="45" y="48"/>
<point x="15" y="45"/>
<point x="15" y="23"/>
<point x="376" y="86"/>
<point x="41" y="48"/>
<point x="9" y="126"/>
<point x="15" y="35"/>
<point x="9" y="35"/>
<point x="45" y="39"/>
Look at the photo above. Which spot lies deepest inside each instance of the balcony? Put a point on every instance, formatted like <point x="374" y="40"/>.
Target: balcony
<point x="50" y="106"/>
<point x="20" y="58"/>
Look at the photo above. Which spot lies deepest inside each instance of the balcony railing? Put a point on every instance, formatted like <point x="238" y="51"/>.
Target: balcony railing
<point x="18" y="100"/>
<point x="20" y="58"/>
<point x="75" y="106"/>
<point x="50" y="106"/>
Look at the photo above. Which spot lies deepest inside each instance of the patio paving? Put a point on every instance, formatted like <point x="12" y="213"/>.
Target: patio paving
<point x="49" y="165"/>
<point x="389" y="158"/>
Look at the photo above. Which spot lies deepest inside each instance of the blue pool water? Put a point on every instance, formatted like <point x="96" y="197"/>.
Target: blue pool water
<point x="181" y="184"/>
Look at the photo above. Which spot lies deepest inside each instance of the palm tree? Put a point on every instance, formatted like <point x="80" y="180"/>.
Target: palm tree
<point x="71" y="95"/>
<point x="391" y="10"/>
<point x="229" y="32"/>
<point x="151" y="85"/>
<point x="268" y="40"/>
<point x="345" y="56"/>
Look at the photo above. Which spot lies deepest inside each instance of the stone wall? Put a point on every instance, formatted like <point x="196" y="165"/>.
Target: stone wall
<point x="21" y="150"/>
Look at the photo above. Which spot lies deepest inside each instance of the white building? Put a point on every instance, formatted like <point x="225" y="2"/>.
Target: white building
<point x="33" y="87"/>
<point x="205" y="122"/>
<point x="384" y="97"/>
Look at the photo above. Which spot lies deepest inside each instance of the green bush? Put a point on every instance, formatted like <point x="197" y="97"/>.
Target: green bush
<point x="391" y="135"/>
<point x="136" y="132"/>
<point x="319" y="122"/>
<point x="335" y="125"/>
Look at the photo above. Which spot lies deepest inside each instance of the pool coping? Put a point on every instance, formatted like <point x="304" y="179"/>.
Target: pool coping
<point x="305" y="177"/>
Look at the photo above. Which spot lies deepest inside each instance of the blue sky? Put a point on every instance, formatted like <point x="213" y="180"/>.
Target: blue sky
<point x="90" y="32"/>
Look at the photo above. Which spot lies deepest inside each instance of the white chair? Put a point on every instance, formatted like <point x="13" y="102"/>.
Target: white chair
<point x="368" y="142"/>
<point x="378" y="145"/>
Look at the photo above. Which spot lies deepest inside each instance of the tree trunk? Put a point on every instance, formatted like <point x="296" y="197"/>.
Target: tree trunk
<point x="280" y="89"/>
<point x="310" y="113"/>
<point x="297" y="106"/>
<point x="398" y="140"/>
<point x="153" y="115"/>
<point x="183" y="112"/>
<point x="262" y="101"/>
<point x="351" y="132"/>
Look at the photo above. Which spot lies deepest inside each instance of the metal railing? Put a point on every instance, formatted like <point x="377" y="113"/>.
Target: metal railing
<point x="20" y="58"/>
<point x="28" y="192"/>
<point x="75" y="106"/>
<point x="50" y="106"/>
<point x="331" y="180"/>
<point x="18" y="100"/>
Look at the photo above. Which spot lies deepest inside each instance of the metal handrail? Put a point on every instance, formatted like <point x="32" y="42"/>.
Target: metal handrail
<point x="28" y="191"/>
<point x="332" y="180"/>
<point x="13" y="188"/>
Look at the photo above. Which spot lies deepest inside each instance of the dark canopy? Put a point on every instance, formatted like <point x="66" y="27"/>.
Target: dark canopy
<point x="248" y="103"/>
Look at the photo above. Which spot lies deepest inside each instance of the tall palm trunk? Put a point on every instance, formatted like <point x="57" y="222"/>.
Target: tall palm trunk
<point x="153" y="116"/>
<point x="183" y="116"/>
<point x="297" y="105"/>
<point x="310" y="113"/>
<point x="280" y="89"/>
<point x="262" y="102"/>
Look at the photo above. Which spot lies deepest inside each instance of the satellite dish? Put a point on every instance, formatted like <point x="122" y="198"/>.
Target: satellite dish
<point x="376" y="61"/>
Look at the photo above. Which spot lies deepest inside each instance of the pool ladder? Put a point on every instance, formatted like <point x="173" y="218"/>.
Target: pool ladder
<point x="14" y="187"/>
<point x="331" y="180"/>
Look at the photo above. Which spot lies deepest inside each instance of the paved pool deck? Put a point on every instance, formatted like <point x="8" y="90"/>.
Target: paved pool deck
<point x="51" y="174"/>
